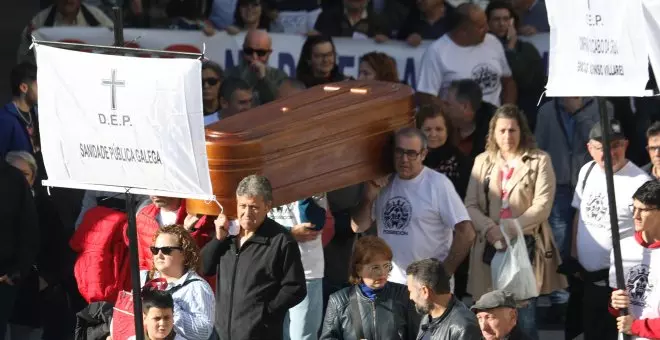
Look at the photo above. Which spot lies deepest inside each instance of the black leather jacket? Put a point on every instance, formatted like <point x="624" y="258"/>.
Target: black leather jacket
<point x="395" y="315"/>
<point x="457" y="323"/>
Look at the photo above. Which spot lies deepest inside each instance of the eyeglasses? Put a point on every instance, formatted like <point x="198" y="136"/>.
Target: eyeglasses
<point x="210" y="81"/>
<point x="165" y="250"/>
<point x="653" y="149"/>
<point x="260" y="52"/>
<point x="329" y="55"/>
<point x="614" y="145"/>
<point x="380" y="270"/>
<point x="641" y="210"/>
<point x="411" y="154"/>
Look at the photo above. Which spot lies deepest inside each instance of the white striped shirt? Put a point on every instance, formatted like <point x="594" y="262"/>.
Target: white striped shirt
<point x="194" y="306"/>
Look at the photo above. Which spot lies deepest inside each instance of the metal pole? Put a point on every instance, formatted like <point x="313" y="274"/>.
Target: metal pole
<point x="611" y="198"/>
<point x="117" y="50"/>
<point x="135" y="269"/>
<point x="118" y="26"/>
<point x="130" y="211"/>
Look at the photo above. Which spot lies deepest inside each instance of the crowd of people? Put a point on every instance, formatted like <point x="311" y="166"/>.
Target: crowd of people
<point x="413" y="255"/>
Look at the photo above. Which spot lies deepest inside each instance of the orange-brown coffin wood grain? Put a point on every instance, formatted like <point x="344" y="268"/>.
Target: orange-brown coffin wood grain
<point x="321" y="139"/>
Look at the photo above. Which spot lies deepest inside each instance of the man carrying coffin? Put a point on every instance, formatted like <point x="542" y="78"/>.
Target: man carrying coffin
<point x="259" y="272"/>
<point x="641" y="267"/>
<point x="417" y="212"/>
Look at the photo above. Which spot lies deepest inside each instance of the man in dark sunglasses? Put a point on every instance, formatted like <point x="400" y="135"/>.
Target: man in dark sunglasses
<point x="254" y="69"/>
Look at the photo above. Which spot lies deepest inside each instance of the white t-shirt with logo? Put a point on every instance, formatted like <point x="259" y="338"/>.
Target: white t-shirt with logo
<point x="594" y="236"/>
<point x="641" y="273"/>
<point x="444" y="62"/>
<point x="416" y="218"/>
<point x="311" y="252"/>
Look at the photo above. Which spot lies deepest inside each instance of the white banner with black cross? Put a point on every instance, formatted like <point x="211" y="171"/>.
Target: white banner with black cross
<point x="113" y="122"/>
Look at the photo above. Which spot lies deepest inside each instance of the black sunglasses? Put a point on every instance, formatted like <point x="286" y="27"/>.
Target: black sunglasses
<point x="165" y="250"/>
<point x="259" y="52"/>
<point x="210" y="81"/>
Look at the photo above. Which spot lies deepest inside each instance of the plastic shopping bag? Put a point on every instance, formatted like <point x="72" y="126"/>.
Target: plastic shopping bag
<point x="511" y="269"/>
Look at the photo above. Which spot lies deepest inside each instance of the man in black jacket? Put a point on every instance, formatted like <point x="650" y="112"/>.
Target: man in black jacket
<point x="19" y="237"/>
<point x="445" y="317"/>
<point x="259" y="271"/>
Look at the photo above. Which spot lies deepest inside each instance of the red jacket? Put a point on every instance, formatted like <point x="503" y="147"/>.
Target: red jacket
<point x="102" y="267"/>
<point x="147" y="225"/>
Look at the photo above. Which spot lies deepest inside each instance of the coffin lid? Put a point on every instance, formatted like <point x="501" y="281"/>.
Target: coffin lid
<point x="304" y="109"/>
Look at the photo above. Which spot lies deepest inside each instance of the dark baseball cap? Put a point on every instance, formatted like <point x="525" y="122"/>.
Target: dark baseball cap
<point x="616" y="133"/>
<point x="494" y="299"/>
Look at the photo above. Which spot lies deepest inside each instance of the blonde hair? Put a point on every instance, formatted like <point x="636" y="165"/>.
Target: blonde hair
<point x="186" y="242"/>
<point x="510" y="111"/>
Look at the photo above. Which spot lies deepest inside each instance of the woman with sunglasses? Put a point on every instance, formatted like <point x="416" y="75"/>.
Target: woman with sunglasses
<point x="176" y="262"/>
<point x="212" y="76"/>
<point x="372" y="308"/>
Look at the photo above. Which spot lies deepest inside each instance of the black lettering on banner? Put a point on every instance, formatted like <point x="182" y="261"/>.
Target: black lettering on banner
<point x="600" y="69"/>
<point x="598" y="45"/>
<point x="118" y="153"/>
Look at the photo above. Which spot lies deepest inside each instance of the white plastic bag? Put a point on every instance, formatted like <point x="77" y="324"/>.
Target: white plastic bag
<point x="511" y="269"/>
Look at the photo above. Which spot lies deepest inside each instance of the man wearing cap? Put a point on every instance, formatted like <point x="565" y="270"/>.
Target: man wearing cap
<point x="498" y="317"/>
<point x="592" y="238"/>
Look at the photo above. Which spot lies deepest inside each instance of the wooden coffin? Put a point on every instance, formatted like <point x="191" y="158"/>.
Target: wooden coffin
<point x="321" y="139"/>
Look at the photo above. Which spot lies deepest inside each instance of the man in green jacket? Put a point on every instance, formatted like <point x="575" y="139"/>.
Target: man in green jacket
<point x="253" y="67"/>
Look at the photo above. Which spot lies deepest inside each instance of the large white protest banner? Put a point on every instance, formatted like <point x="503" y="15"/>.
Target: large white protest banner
<point x="111" y="122"/>
<point x="225" y="49"/>
<point x="597" y="48"/>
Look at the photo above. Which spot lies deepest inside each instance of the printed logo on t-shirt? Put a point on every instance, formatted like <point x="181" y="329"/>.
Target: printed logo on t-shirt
<point x="487" y="77"/>
<point x="638" y="284"/>
<point x="596" y="211"/>
<point x="397" y="215"/>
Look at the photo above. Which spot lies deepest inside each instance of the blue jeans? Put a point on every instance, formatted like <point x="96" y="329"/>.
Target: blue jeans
<point x="527" y="319"/>
<point x="561" y="221"/>
<point x="303" y="321"/>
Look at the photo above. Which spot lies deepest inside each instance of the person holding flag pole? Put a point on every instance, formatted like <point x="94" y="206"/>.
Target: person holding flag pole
<point x="641" y="268"/>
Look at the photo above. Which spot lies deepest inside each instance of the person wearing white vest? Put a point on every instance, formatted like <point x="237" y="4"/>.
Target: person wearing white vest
<point x="592" y="235"/>
<point x="641" y="268"/>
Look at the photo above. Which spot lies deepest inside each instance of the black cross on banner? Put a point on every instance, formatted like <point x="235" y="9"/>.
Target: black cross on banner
<point x="113" y="83"/>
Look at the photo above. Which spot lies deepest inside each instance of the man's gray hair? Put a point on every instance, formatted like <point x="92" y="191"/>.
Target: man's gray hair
<point x="13" y="156"/>
<point x="412" y="132"/>
<point x="255" y="186"/>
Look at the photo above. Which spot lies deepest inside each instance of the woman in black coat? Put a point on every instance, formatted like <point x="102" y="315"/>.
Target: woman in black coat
<point x="372" y="308"/>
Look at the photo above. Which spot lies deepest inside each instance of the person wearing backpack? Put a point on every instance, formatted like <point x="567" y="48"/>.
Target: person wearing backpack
<point x="592" y="238"/>
<point x="562" y="130"/>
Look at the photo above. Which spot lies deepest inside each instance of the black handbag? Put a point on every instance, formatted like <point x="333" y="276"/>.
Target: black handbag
<point x="489" y="250"/>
